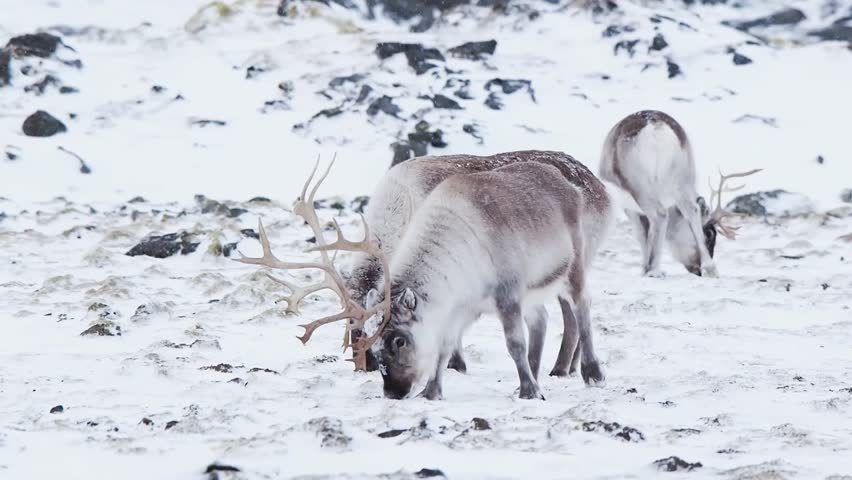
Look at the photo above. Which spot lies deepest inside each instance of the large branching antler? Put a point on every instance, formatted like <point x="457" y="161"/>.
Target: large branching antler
<point x="719" y="214"/>
<point x="356" y="315"/>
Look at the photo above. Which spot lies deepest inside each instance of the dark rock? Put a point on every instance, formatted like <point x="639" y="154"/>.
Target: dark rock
<point x="271" y="105"/>
<point x="65" y="90"/>
<point x="673" y="69"/>
<point x="429" y="473"/>
<point x="440" y="101"/>
<point x="102" y="330"/>
<point x="846" y="195"/>
<point x="611" y="31"/>
<point x="463" y="90"/>
<point x="260" y="200"/>
<point x="203" y="122"/>
<point x="628" y="46"/>
<point x="494" y="102"/>
<point x="789" y="16"/>
<point x="392" y="433"/>
<point x="235" y="212"/>
<point x="78" y="64"/>
<point x="511" y="86"/>
<point x="405" y="10"/>
<point x="402" y="151"/>
<point x="5" y="67"/>
<point x="474" y="50"/>
<point x="676" y="464"/>
<point x="215" y="467"/>
<point x="383" y="104"/>
<point x="628" y="434"/>
<point x="164" y="246"/>
<point x="472" y="130"/>
<point x="422" y="138"/>
<point x="834" y="33"/>
<point x="359" y="203"/>
<point x="780" y="203"/>
<point x="221" y="368"/>
<point x="820" y="159"/>
<point x="740" y="59"/>
<point x="658" y="43"/>
<point x="57" y="409"/>
<point x="158" y="89"/>
<point x="250" y="233"/>
<point x="147" y="422"/>
<point x="253" y="71"/>
<point x="34" y="44"/>
<point x="171" y="424"/>
<point x="364" y="94"/>
<point x="480" y="424"/>
<point x="228" y="249"/>
<point x="339" y="81"/>
<point x="328" y="112"/>
<point x="416" y="54"/>
<point x="42" y="124"/>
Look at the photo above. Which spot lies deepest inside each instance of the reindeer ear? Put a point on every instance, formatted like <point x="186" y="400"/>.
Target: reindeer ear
<point x="372" y="298"/>
<point x="408" y="300"/>
<point x="702" y="207"/>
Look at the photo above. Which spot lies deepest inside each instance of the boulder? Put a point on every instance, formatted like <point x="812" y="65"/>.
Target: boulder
<point x="42" y="124"/>
<point x="773" y="203"/>
<point x="418" y="56"/>
<point x="474" y="50"/>
<point x="34" y="44"/>
<point x="164" y="246"/>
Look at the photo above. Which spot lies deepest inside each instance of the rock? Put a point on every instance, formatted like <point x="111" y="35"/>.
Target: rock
<point x="510" y="86"/>
<point x="673" y="69"/>
<point x="474" y="50"/>
<point x="769" y="121"/>
<point x="42" y="124"/>
<point x="462" y="87"/>
<point x="472" y="130"/>
<point x="417" y="54"/>
<point x="216" y="467"/>
<point x="740" y="59"/>
<point x="834" y="33"/>
<point x="364" y="94"/>
<point x="164" y="246"/>
<point x="422" y="137"/>
<point x="204" y="122"/>
<point x="272" y="105"/>
<point x="628" y="434"/>
<point x="441" y="101"/>
<point x="103" y="328"/>
<point x="628" y="46"/>
<point x="171" y="424"/>
<point x="676" y="464"/>
<point x="615" y="30"/>
<point x="846" y="196"/>
<point x="383" y="104"/>
<point x="5" y="67"/>
<point x="34" y="44"/>
<point x="402" y="151"/>
<point x="339" y="81"/>
<point x="228" y="249"/>
<point x="480" y="424"/>
<point x="789" y="16"/>
<point x="493" y="101"/>
<point x="221" y="368"/>
<point x="406" y="10"/>
<point x="65" y="90"/>
<point x="57" y="409"/>
<point x="359" y="203"/>
<point x="778" y="203"/>
<point x="429" y="473"/>
<point x="392" y="433"/>
<point x="147" y="422"/>
<point x="658" y="43"/>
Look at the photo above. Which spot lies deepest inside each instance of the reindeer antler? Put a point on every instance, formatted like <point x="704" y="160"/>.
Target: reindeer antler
<point x="356" y="314"/>
<point x="719" y="214"/>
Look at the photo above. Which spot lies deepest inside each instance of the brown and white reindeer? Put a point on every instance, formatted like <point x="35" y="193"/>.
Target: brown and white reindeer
<point x="500" y="241"/>
<point x="648" y="154"/>
<point x="404" y="187"/>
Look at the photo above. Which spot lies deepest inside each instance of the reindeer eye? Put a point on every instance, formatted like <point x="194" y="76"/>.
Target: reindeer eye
<point x="399" y="342"/>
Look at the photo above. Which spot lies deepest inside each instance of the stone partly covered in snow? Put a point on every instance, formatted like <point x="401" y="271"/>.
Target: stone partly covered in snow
<point x="676" y="464"/>
<point x="774" y="203"/>
<point x="34" y="44"/>
<point x="474" y="50"/>
<point x="164" y="246"/>
<point x="418" y="143"/>
<point x="418" y="56"/>
<point x="790" y="16"/>
<point x="42" y="124"/>
<point x="846" y="195"/>
<point x="5" y="67"/>
<point x="834" y="33"/>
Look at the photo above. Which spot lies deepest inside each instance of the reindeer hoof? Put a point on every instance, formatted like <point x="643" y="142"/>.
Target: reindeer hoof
<point x="655" y="274"/>
<point x="530" y="392"/>
<point x="431" y="394"/>
<point x="709" y="271"/>
<point x="457" y="363"/>
<point x="559" y="372"/>
<point x="592" y="373"/>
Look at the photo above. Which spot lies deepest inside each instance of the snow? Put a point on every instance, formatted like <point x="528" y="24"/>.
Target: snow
<point x="748" y="374"/>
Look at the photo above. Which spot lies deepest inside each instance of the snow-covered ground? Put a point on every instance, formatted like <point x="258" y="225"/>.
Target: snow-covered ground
<point x="748" y="374"/>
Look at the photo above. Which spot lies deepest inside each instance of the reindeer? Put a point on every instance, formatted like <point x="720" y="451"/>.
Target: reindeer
<point x="648" y="155"/>
<point x="497" y="241"/>
<point x="403" y="188"/>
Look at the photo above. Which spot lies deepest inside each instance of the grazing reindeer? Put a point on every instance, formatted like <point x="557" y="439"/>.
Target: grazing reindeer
<point x="649" y="155"/>
<point x="501" y="240"/>
<point x="403" y="189"/>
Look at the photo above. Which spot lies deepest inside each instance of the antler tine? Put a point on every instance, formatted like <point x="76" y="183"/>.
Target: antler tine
<point x="308" y="181"/>
<point x="322" y="178"/>
<point x="724" y="178"/>
<point x="342" y="243"/>
<point x="298" y="293"/>
<point x="270" y="260"/>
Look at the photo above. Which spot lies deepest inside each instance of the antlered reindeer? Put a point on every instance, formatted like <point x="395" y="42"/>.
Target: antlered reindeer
<point x="498" y="241"/>
<point x="402" y="190"/>
<point x="648" y="154"/>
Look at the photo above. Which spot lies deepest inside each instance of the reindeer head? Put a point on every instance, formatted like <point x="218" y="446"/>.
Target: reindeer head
<point x="397" y="351"/>
<point x="713" y="223"/>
